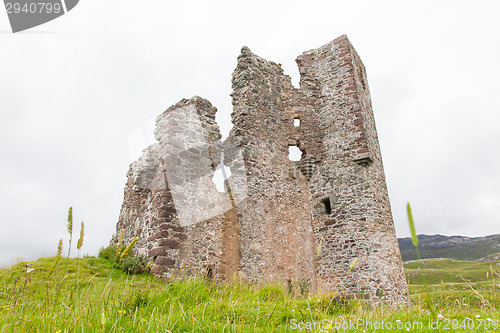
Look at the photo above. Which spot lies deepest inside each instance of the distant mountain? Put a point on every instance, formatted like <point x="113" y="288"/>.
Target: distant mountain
<point x="456" y="247"/>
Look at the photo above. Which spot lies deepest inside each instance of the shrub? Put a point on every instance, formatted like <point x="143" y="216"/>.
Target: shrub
<point x="133" y="265"/>
<point x="111" y="253"/>
<point x="304" y="286"/>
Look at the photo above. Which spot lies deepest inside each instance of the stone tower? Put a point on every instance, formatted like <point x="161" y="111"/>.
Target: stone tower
<point x="324" y="220"/>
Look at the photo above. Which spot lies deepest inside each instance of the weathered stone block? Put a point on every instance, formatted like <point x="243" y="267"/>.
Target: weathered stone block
<point x="165" y="261"/>
<point x="170" y="243"/>
<point x="159" y="251"/>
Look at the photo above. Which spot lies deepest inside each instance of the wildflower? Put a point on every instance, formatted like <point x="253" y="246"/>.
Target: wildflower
<point x="70" y="220"/>
<point x="148" y="265"/>
<point x="70" y="228"/>
<point x="440" y="316"/>
<point x="477" y="316"/>
<point x="355" y="261"/>
<point x="80" y="240"/>
<point x="59" y="248"/>
<point x="29" y="270"/>
<point x="58" y="256"/>
<point x="129" y="248"/>
<point x="318" y="251"/>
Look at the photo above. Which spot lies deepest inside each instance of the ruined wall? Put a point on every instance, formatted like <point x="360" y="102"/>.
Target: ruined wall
<point x="276" y="215"/>
<point x="350" y="180"/>
<point x="170" y="201"/>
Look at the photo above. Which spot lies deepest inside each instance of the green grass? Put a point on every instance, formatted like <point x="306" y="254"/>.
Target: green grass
<point x="89" y="295"/>
<point x="452" y="283"/>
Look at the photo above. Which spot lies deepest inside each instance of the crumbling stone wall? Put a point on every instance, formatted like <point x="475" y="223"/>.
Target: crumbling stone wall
<point x="275" y="218"/>
<point x="350" y="180"/>
<point x="324" y="220"/>
<point x="172" y="177"/>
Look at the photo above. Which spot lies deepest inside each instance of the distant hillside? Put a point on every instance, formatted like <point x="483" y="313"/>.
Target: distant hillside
<point x="456" y="247"/>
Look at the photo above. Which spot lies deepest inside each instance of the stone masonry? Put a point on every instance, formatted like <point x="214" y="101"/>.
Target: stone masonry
<point x="324" y="221"/>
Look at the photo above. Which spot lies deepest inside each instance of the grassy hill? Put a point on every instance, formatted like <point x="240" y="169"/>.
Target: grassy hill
<point x="89" y="295"/>
<point x="456" y="247"/>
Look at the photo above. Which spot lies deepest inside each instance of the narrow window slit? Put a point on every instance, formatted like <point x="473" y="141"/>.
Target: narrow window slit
<point x="328" y="206"/>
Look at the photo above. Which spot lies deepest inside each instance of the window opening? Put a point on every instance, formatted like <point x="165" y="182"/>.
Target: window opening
<point x="294" y="153"/>
<point x="328" y="205"/>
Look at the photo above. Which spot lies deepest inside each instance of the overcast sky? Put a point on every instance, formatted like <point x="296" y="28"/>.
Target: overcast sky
<point x="73" y="91"/>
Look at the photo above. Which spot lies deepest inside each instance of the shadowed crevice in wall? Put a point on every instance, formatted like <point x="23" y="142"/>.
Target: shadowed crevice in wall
<point x="230" y="261"/>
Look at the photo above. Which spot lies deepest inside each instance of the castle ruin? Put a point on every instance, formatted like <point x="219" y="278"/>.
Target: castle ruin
<point x="324" y="220"/>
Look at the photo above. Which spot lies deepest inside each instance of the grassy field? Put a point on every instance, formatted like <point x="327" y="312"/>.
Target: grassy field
<point x="89" y="295"/>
